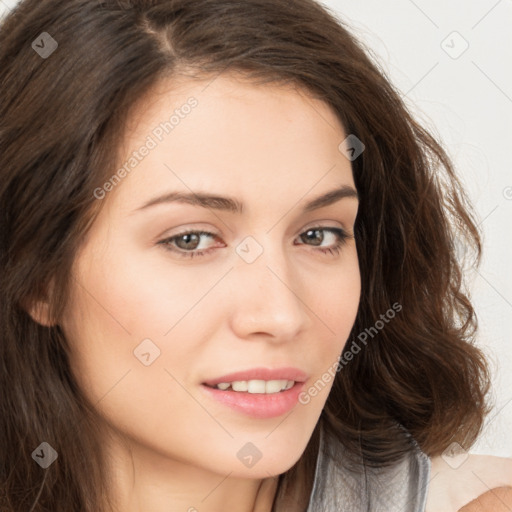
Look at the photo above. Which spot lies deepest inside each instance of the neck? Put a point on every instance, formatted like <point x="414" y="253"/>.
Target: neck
<point x="143" y="480"/>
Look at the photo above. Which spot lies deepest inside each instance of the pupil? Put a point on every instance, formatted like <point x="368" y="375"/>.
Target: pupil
<point x="312" y="238"/>
<point x="189" y="236"/>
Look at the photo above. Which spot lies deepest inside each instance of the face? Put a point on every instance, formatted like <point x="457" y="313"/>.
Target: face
<point x="173" y="296"/>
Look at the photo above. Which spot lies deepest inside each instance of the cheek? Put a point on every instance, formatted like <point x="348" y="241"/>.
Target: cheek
<point x="336" y="308"/>
<point x="338" y="298"/>
<point x="129" y="321"/>
<point x="122" y="360"/>
<point x="123" y="299"/>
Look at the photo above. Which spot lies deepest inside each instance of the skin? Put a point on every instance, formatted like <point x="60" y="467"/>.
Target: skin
<point x="172" y="448"/>
<point x="475" y="483"/>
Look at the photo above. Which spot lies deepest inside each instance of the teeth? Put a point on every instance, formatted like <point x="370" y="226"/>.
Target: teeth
<point x="239" y="385"/>
<point x="257" y="386"/>
<point x="274" y="386"/>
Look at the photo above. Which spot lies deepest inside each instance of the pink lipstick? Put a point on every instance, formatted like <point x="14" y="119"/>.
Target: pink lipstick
<point x="259" y="392"/>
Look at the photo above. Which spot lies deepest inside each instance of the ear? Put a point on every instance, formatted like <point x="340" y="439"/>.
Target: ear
<point x="39" y="311"/>
<point x="39" y="308"/>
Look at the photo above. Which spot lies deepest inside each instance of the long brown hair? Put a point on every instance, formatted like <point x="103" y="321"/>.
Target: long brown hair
<point x="62" y="112"/>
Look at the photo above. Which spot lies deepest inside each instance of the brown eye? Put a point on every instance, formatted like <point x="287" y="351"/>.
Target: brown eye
<point x="316" y="235"/>
<point x="312" y="235"/>
<point x="191" y="241"/>
<point x="186" y="244"/>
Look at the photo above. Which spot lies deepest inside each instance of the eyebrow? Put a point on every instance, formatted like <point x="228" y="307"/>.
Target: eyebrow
<point x="231" y="204"/>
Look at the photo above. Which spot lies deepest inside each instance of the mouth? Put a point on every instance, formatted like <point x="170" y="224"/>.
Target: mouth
<point x="255" y="386"/>
<point x="259" y="380"/>
<point x="260" y="393"/>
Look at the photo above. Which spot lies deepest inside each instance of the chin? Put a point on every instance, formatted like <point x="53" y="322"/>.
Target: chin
<point x="264" y="456"/>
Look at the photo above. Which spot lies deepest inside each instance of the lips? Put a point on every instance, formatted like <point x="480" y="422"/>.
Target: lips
<point x="259" y="406"/>
<point x="266" y="374"/>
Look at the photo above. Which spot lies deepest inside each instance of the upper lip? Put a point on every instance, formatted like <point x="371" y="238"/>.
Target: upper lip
<point x="288" y="373"/>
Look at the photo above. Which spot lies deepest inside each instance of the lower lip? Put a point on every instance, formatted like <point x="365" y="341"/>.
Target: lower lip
<point x="258" y="405"/>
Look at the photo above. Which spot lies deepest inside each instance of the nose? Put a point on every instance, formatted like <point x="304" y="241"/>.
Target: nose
<point x="269" y="298"/>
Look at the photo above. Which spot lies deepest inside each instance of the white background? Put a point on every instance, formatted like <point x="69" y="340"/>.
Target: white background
<point x="465" y="98"/>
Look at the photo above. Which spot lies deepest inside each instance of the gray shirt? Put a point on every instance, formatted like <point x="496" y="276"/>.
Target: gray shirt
<point x="399" y="488"/>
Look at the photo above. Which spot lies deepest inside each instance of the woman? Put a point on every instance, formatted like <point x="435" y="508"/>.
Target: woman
<point x="170" y="341"/>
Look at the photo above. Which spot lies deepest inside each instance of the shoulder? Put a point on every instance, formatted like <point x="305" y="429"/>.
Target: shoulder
<point x="470" y="483"/>
<point x="494" y="500"/>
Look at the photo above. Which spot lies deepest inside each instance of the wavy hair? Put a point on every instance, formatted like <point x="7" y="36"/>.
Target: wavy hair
<point x="61" y="116"/>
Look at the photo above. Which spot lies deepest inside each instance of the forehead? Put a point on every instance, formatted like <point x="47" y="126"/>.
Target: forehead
<point x="232" y="100"/>
<point x="228" y="133"/>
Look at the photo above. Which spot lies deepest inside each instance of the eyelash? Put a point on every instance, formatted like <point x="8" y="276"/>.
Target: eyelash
<point x="335" y="250"/>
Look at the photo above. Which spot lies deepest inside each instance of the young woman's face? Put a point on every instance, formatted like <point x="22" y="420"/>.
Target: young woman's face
<point x="156" y="314"/>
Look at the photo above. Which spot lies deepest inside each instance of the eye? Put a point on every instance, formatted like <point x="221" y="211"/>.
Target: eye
<point x="340" y="236"/>
<point x="186" y="244"/>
